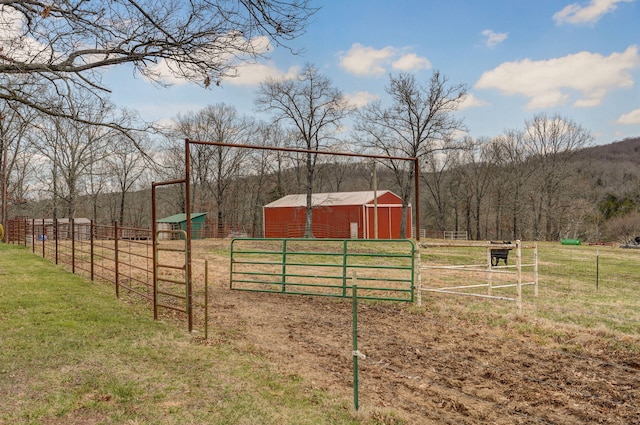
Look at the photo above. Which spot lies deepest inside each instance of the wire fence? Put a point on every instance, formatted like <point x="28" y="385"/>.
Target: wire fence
<point x="597" y="285"/>
<point x="589" y="285"/>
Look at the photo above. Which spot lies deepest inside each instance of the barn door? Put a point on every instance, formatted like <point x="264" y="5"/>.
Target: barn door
<point x="353" y="230"/>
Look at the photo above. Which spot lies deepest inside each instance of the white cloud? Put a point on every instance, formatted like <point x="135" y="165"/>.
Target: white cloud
<point x="360" y="99"/>
<point x="588" y="14"/>
<point x="632" y="118"/>
<point x="252" y="74"/>
<point x="552" y="82"/>
<point x="494" y="38"/>
<point x="411" y="62"/>
<point x="368" y="61"/>
<point x="470" y="101"/>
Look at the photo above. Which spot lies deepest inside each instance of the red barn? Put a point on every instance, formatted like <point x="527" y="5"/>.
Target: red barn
<point x="336" y="215"/>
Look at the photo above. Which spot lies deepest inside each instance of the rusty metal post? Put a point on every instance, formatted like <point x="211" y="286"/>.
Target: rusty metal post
<point x="187" y="190"/>
<point x="55" y="235"/>
<point x="91" y="229"/>
<point x="73" y="244"/>
<point x="44" y="238"/>
<point x="535" y="269"/>
<point x="519" y="275"/>
<point x="116" y="260"/>
<point x="489" y="271"/>
<point x="154" y="242"/>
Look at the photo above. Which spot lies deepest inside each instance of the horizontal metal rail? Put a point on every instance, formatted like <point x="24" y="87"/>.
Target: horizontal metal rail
<point x="330" y="295"/>
<point x="469" y="294"/>
<point x="162" y="285"/>
<point x="171" y="249"/>
<point x="469" y="269"/>
<point x="171" y="307"/>
<point x="168" y="280"/>
<point x="135" y="291"/>
<point x="171" y="266"/>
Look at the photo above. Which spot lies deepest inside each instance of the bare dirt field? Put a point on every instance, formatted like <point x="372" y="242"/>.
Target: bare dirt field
<point x="436" y="364"/>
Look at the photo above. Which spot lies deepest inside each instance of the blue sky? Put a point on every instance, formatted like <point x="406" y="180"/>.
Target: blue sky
<point x="517" y="57"/>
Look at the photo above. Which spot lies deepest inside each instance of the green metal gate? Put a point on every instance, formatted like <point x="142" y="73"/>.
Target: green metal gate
<point x="324" y="267"/>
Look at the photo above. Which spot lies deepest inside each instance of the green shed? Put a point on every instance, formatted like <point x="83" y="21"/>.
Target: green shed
<point x="179" y="222"/>
<point x="570" y="242"/>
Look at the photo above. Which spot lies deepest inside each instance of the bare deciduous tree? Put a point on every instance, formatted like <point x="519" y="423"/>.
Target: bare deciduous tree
<point x="14" y="122"/>
<point x="68" y="150"/>
<point x="416" y="123"/>
<point x="314" y="108"/>
<point x="214" y="168"/>
<point x="512" y="175"/>
<point x="551" y="143"/>
<point x="125" y="166"/>
<point x="478" y="172"/>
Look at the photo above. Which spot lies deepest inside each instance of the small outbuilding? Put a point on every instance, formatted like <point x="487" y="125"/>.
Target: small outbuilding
<point x="179" y="222"/>
<point x="337" y="215"/>
<point x="81" y="230"/>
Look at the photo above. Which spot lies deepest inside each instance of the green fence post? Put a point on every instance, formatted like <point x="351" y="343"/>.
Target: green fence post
<point x="206" y="299"/>
<point x="284" y="265"/>
<point x="355" y="343"/>
<point x="344" y="268"/>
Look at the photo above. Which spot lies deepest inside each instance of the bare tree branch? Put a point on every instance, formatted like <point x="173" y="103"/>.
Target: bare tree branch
<point x="198" y="40"/>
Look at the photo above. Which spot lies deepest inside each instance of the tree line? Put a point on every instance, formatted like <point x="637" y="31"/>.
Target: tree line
<point x="521" y="185"/>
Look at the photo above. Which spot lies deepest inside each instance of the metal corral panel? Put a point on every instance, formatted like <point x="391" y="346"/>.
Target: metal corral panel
<point x="325" y="267"/>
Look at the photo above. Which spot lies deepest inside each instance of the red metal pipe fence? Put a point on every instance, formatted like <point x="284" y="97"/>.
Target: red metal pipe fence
<point x="121" y="256"/>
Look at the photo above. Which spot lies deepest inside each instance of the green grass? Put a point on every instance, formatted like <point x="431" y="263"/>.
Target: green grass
<point x="588" y="286"/>
<point x="70" y="352"/>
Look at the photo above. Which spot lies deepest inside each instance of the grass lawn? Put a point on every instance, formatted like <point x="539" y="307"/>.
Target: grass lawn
<point x="71" y="353"/>
<point x="589" y="286"/>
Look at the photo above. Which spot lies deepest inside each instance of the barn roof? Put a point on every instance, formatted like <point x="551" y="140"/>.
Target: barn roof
<point x="180" y="218"/>
<point x="78" y="220"/>
<point x="327" y="199"/>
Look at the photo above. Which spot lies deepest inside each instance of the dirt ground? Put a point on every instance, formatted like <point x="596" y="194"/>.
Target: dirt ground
<point x="431" y="365"/>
